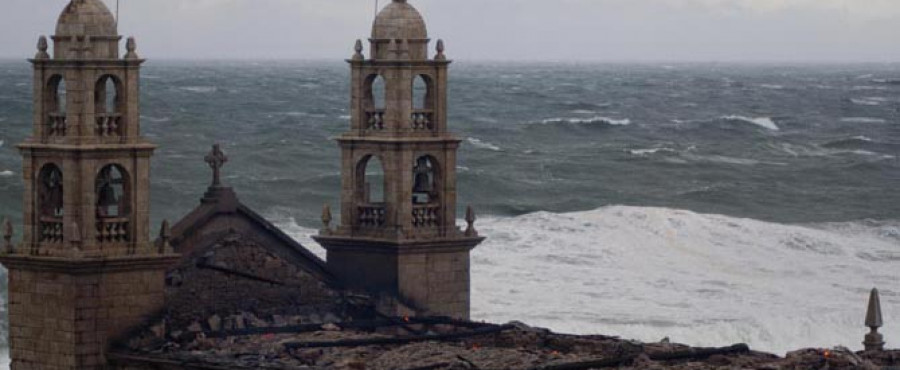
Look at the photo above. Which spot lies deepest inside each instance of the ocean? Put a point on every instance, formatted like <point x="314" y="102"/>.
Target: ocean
<point x="708" y="203"/>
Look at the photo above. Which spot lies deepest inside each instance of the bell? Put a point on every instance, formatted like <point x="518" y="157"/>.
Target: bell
<point x="107" y="196"/>
<point x="423" y="183"/>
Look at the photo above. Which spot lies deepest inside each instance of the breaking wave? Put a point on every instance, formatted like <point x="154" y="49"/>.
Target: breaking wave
<point x="764" y="122"/>
<point x="866" y="102"/>
<point x="700" y="279"/>
<point x="6" y="173"/>
<point x="585" y="121"/>
<point x="200" y="89"/>
<point x="863" y="120"/>
<point x="478" y="143"/>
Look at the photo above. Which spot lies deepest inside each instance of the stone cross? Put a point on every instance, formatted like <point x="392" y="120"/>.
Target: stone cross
<point x="216" y="159"/>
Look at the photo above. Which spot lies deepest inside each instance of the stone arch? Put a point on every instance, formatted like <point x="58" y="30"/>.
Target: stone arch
<point x="427" y="180"/>
<point x="108" y="95"/>
<point x="56" y="94"/>
<point x="423" y="92"/>
<point x="376" y="92"/>
<point x="371" y="187"/>
<point x="50" y="192"/>
<point x="112" y="192"/>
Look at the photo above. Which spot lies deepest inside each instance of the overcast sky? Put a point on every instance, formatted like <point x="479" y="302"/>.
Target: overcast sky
<point x="603" y="30"/>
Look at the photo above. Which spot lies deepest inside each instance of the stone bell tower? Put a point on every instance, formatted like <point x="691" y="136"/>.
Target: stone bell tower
<point x="398" y="237"/>
<point x="86" y="270"/>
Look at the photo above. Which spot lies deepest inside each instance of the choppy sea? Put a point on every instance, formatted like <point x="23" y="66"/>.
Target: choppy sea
<point x="707" y="203"/>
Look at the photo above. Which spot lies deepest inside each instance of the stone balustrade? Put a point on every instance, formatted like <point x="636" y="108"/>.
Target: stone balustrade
<point x="56" y="124"/>
<point x="375" y="119"/>
<point x="51" y="230"/>
<point x="422" y="120"/>
<point x="372" y="215"/>
<point x="113" y="230"/>
<point x="109" y="124"/>
<point x="426" y="216"/>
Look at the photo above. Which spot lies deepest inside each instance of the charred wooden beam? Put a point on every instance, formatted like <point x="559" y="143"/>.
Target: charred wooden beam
<point x="689" y="354"/>
<point x="228" y="271"/>
<point x="399" y="340"/>
<point x="356" y="325"/>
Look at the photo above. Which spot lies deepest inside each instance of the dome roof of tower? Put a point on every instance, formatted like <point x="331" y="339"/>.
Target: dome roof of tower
<point x="86" y="18"/>
<point x="399" y="20"/>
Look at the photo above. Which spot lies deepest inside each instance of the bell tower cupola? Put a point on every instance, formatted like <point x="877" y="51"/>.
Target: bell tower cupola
<point x="398" y="237"/>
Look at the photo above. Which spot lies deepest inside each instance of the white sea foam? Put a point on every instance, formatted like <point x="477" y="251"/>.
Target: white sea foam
<point x="709" y="280"/>
<point x="200" y="89"/>
<point x="1" y="143"/>
<point x="6" y="173"/>
<point x="643" y="152"/>
<point x="863" y="120"/>
<point x="4" y="361"/>
<point x="156" y="119"/>
<point x="344" y="117"/>
<point x="764" y="122"/>
<point x="594" y="120"/>
<point x="867" y="87"/>
<point x="772" y="86"/>
<point x="866" y="102"/>
<point x="478" y="143"/>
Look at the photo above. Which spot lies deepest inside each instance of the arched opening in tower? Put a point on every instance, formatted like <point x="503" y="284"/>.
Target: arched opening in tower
<point x="55" y="106"/>
<point x="423" y="103"/>
<point x="50" y="192"/>
<point x="111" y="189"/>
<point x="425" y="177"/>
<point x="372" y="191"/>
<point x="108" y="106"/>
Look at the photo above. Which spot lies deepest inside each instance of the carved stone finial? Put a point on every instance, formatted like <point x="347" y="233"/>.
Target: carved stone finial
<point x="7" y="237"/>
<point x="470" y="220"/>
<point x="874" y="341"/>
<point x="165" y="235"/>
<point x="131" y="47"/>
<point x="326" y="218"/>
<point x="42" y="48"/>
<point x="440" y="51"/>
<point x="359" y="49"/>
<point x="216" y="159"/>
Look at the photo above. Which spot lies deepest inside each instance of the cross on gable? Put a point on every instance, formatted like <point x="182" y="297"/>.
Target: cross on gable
<point x="216" y="159"/>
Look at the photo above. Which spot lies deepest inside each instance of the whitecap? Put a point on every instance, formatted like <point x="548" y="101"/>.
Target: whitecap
<point x="865" y="101"/>
<point x="1" y="143"/>
<point x="156" y="119"/>
<point x="344" y="117"/>
<point x="867" y="88"/>
<point x="594" y="120"/>
<point x="863" y="120"/>
<point x="642" y="152"/>
<point x="772" y="86"/>
<point x="478" y="143"/>
<point x="200" y="89"/>
<point x="583" y="111"/>
<point x="764" y="122"/>
<point x="6" y="173"/>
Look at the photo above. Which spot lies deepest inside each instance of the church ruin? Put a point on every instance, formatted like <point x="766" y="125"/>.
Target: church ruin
<point x="225" y="289"/>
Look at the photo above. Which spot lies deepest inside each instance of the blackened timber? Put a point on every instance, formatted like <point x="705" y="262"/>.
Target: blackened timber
<point x="690" y="354"/>
<point x="357" y="325"/>
<point x="399" y="340"/>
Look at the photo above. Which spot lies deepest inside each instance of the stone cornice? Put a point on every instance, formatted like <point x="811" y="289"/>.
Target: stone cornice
<point x="80" y="63"/>
<point x="352" y="138"/>
<point x="398" y="62"/>
<point x="369" y="245"/>
<point x="140" y="146"/>
<point x="83" y="266"/>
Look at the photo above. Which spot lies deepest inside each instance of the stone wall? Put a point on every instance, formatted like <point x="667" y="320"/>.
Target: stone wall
<point x="438" y="281"/>
<point x="64" y="320"/>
